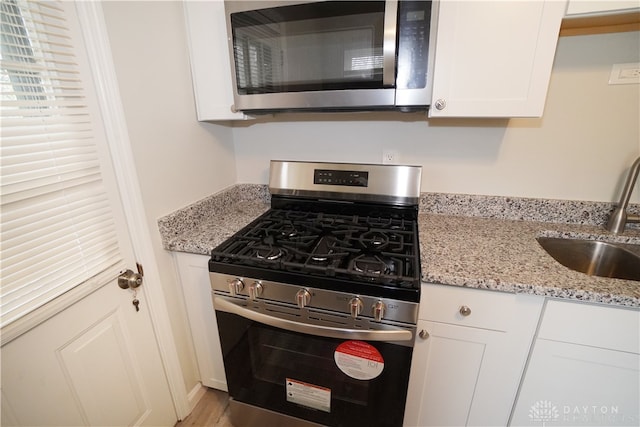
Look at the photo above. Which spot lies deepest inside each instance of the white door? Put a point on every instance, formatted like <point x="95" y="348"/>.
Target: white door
<point x="95" y="360"/>
<point x="94" y="363"/>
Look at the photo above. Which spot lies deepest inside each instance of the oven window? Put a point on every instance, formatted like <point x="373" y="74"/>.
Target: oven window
<point x="315" y="46"/>
<point x="260" y="360"/>
<point x="275" y="355"/>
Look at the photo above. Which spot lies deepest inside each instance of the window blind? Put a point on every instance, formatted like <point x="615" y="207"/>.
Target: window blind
<point x="57" y="228"/>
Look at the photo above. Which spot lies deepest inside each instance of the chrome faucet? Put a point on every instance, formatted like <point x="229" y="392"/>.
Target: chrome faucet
<point x="620" y="216"/>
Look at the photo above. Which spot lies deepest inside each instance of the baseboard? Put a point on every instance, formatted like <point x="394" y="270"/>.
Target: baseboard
<point x="217" y="384"/>
<point x="194" y="396"/>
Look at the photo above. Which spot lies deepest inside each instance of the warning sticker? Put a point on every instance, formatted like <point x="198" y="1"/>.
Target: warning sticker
<point x="359" y="360"/>
<point x="308" y="395"/>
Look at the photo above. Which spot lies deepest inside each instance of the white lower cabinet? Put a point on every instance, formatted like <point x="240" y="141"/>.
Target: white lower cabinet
<point x="584" y="368"/>
<point x="194" y="277"/>
<point x="469" y="359"/>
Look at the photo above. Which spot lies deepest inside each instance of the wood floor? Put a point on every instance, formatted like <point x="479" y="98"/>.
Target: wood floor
<point x="211" y="411"/>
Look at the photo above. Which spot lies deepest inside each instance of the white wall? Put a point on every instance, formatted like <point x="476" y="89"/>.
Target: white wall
<point x="178" y="160"/>
<point x="579" y="150"/>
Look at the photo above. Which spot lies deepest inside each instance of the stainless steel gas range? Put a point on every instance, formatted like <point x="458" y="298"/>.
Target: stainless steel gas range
<point x="317" y="299"/>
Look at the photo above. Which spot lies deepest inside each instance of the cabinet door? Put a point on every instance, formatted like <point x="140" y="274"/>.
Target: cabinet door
<point x="571" y="384"/>
<point x="194" y="277"/>
<point x="494" y="58"/>
<point x="600" y="7"/>
<point x="210" y="61"/>
<point x="461" y="376"/>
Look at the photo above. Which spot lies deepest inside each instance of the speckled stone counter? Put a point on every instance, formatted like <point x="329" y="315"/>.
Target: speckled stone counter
<point x="503" y="255"/>
<point x="472" y="241"/>
<point x="202" y="226"/>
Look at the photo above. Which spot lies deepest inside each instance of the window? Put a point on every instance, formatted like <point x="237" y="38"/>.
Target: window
<point x="57" y="229"/>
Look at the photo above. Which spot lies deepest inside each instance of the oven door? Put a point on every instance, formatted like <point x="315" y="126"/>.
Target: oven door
<point x="317" y="378"/>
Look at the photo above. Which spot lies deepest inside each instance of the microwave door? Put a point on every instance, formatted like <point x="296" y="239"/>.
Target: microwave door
<point x="389" y="44"/>
<point x="314" y="55"/>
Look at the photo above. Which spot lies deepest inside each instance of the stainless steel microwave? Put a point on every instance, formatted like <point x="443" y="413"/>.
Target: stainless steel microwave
<point x="331" y="55"/>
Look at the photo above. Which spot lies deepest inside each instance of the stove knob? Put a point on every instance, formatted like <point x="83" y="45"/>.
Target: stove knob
<point x="236" y="286"/>
<point x="378" y="310"/>
<point x="303" y="298"/>
<point x="355" y="306"/>
<point x="255" y="290"/>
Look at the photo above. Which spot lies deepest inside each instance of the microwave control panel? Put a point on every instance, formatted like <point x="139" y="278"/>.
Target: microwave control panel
<point x="414" y="21"/>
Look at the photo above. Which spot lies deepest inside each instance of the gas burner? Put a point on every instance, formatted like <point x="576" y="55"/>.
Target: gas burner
<point x="288" y="231"/>
<point x="269" y="253"/>
<point x="331" y="222"/>
<point x="395" y="237"/>
<point x="323" y="249"/>
<point x="294" y="215"/>
<point x="373" y="264"/>
<point x="374" y="240"/>
<point x="379" y="222"/>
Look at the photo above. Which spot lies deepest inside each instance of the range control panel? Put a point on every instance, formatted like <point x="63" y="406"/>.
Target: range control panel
<point x="341" y="177"/>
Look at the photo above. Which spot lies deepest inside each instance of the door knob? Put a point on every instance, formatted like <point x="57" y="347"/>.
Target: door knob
<point x="129" y="280"/>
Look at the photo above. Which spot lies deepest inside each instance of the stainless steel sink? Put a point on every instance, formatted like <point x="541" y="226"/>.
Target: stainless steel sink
<point x="593" y="257"/>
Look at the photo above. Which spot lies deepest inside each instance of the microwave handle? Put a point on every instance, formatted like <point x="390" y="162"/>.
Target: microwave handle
<point x="389" y="43"/>
<point x="396" y="334"/>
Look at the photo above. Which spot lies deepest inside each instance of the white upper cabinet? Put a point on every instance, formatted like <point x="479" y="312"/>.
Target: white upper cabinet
<point x="601" y="7"/>
<point x="494" y="58"/>
<point x="210" y="60"/>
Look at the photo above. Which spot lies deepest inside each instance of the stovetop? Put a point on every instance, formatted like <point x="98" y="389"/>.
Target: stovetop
<point x="335" y="226"/>
<point x="371" y="254"/>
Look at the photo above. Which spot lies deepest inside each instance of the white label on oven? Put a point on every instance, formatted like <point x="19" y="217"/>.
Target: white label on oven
<point x="359" y="360"/>
<point x="309" y="395"/>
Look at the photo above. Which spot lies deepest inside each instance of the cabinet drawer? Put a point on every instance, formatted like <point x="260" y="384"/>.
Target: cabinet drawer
<point x="602" y="326"/>
<point x="488" y="309"/>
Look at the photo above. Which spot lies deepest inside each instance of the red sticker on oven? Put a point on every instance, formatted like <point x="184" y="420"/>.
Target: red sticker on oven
<point x="359" y="360"/>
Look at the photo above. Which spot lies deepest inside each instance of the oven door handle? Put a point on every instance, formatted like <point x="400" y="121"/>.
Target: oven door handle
<point x="396" y="334"/>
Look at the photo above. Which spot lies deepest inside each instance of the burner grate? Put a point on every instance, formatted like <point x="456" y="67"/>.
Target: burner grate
<point x="371" y="249"/>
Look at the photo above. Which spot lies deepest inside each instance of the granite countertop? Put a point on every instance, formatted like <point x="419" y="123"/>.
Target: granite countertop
<point x="471" y="241"/>
<point x="202" y="226"/>
<point x="503" y="255"/>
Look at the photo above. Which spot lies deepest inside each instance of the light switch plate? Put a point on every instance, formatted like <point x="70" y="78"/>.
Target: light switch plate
<point x="623" y="74"/>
